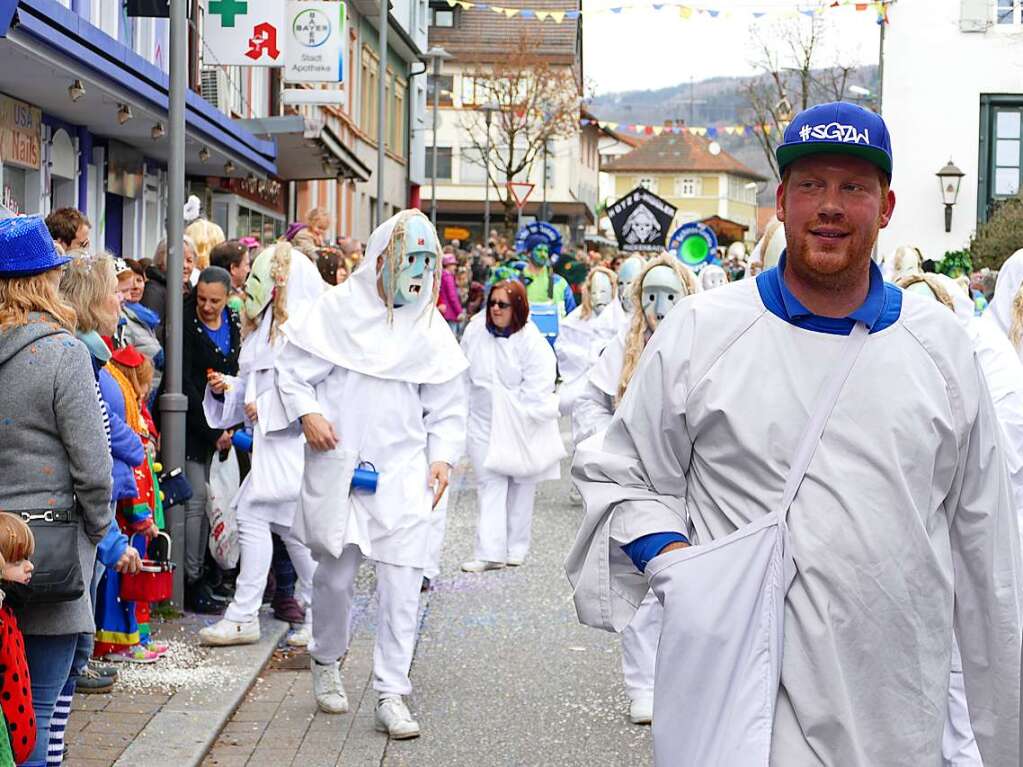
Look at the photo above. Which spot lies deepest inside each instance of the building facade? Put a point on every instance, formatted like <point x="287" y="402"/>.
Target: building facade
<point x="959" y="98"/>
<point x="695" y="175"/>
<point x="564" y="174"/>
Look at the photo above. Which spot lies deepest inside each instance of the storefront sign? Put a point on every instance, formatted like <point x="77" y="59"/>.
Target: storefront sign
<point x="316" y="42"/>
<point x="641" y="221"/>
<point x="244" y="33"/>
<point x="266" y="192"/>
<point x="20" y="132"/>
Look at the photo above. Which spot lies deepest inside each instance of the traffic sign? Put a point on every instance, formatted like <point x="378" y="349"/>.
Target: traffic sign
<point x="520" y="192"/>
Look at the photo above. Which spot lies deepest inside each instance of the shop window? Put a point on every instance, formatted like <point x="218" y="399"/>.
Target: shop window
<point x="443" y="163"/>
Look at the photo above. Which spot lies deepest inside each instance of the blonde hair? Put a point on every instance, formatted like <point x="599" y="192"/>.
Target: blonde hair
<point x="587" y="306"/>
<point x="86" y="283"/>
<point x="280" y="268"/>
<point x="205" y="236"/>
<point x="16" y="540"/>
<point x="932" y="282"/>
<point x="1016" y="330"/>
<point x="20" y="296"/>
<point x="317" y="214"/>
<point x="394" y="256"/>
<point x="636" y="339"/>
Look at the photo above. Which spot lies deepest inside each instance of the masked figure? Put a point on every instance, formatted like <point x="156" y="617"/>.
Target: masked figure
<point x="628" y="272"/>
<point x="543" y="286"/>
<point x="901" y="262"/>
<point x="768" y="250"/>
<point x="281" y="283"/>
<point x="712" y="276"/>
<point x="657" y="289"/>
<point x="374" y="375"/>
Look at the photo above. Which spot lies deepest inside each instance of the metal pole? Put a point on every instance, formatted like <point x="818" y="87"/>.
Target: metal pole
<point x="381" y="109"/>
<point x="486" y="182"/>
<point x="544" y="215"/>
<point x="433" y="171"/>
<point x="174" y="404"/>
<point x="880" y="68"/>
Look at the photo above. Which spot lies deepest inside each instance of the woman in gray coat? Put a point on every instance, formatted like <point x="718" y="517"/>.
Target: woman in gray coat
<point x="53" y="447"/>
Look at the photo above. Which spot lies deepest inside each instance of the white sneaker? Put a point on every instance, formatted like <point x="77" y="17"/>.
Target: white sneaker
<point x="226" y="632"/>
<point x="394" y="718"/>
<point x="479" y="566"/>
<point x="300" y="637"/>
<point x="641" y="711"/>
<point x="327" y="688"/>
<point x="574" y="497"/>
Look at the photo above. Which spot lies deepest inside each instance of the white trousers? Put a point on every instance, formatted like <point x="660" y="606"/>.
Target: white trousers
<point x="506" y="518"/>
<point x="257" y="550"/>
<point x="639" y="648"/>
<point x="958" y="744"/>
<point x="398" y="613"/>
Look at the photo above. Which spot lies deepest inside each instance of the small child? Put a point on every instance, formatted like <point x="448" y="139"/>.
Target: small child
<point x="16" y="547"/>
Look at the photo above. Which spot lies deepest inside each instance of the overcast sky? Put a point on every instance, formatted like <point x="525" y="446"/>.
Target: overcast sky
<point x="647" y="49"/>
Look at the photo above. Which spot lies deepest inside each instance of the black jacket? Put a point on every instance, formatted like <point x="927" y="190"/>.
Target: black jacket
<point x="200" y="354"/>
<point x="155" y="296"/>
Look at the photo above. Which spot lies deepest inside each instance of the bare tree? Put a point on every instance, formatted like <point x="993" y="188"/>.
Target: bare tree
<point x="793" y="76"/>
<point x="537" y="102"/>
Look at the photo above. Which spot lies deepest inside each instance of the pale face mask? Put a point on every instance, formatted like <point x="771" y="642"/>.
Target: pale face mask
<point x="600" y="292"/>
<point x="712" y="277"/>
<point x="627" y="272"/>
<point x="662" y="289"/>
<point x="415" y="272"/>
<point x="259" y="286"/>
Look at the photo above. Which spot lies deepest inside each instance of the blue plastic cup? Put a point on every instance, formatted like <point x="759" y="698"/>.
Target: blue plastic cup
<point x="365" y="479"/>
<point x="242" y="439"/>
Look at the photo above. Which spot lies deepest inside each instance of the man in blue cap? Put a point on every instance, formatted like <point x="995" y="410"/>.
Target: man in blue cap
<point x="827" y="446"/>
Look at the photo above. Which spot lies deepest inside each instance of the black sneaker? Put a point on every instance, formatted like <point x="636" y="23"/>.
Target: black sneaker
<point x="91" y="682"/>
<point x="104" y="669"/>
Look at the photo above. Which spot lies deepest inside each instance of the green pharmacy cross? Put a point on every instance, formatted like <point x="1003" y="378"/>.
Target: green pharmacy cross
<point x="228" y="10"/>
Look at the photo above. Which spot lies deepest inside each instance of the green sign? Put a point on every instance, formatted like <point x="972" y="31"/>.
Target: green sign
<point x="227" y="10"/>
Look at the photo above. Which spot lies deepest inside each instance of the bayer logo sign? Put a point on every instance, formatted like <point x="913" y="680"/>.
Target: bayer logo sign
<point x="311" y="28"/>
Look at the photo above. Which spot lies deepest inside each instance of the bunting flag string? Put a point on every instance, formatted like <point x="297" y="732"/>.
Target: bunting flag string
<point x="712" y="131"/>
<point x="685" y="12"/>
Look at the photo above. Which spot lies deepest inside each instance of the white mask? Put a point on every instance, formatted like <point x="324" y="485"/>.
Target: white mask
<point x="627" y="273"/>
<point x="600" y="292"/>
<point x="712" y="276"/>
<point x="662" y="289"/>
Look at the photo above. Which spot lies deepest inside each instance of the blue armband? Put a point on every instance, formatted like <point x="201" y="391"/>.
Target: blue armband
<point x="645" y="548"/>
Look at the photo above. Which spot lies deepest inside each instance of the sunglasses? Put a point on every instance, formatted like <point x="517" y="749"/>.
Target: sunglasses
<point x="499" y="304"/>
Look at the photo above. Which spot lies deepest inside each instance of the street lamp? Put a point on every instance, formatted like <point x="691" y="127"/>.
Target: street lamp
<point x="435" y="56"/>
<point x="488" y="113"/>
<point x="949" y="179"/>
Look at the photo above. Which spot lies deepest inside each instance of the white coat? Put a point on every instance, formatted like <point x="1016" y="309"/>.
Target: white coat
<point x="523" y="365"/>
<point x="578" y="347"/>
<point x="596" y="403"/>
<point x="902" y="530"/>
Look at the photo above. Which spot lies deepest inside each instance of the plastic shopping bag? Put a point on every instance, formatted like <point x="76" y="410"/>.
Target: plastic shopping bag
<point x="221" y="509"/>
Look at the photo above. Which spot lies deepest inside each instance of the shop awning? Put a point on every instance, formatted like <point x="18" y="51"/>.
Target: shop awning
<point x="307" y="149"/>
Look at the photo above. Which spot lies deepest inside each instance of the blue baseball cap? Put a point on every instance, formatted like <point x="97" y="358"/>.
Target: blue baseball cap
<point x="837" y="128"/>
<point x="26" y="247"/>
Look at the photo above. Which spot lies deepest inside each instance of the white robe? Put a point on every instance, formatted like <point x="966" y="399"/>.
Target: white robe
<point x="595" y="405"/>
<point x="523" y="365"/>
<point x="902" y="530"/>
<point x="578" y="346"/>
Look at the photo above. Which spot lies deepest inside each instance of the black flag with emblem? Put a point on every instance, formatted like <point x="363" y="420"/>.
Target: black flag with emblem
<point x="641" y="220"/>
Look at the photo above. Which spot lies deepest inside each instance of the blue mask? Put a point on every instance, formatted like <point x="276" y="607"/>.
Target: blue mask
<point x="415" y="271"/>
<point x="540" y="255"/>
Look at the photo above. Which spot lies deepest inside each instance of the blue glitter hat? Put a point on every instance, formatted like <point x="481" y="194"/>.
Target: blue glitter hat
<point x="26" y="247"/>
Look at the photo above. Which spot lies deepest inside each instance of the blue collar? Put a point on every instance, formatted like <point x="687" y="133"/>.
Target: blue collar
<point x="94" y="343"/>
<point x="879" y="310"/>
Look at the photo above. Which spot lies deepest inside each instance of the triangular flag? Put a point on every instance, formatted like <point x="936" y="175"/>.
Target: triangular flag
<point x="712" y="132"/>
<point x="648" y="129"/>
<point x="509" y="12"/>
<point x="701" y="131"/>
<point x="713" y="14"/>
<point x="658" y="130"/>
<point x="526" y="13"/>
<point x="685" y="12"/>
<point x="542" y="15"/>
<point x="861" y="6"/>
<point x="497" y="9"/>
<point x="617" y="9"/>
<point x="572" y="14"/>
<point x="558" y="16"/>
<point x="611" y="126"/>
<point x="693" y="131"/>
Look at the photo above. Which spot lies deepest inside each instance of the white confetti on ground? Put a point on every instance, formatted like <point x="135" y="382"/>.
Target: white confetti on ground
<point x="184" y="667"/>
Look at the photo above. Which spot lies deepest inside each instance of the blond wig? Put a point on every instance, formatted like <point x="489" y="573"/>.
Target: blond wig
<point x="638" y="334"/>
<point x="587" y="305"/>
<point x="21" y="296"/>
<point x="86" y="284"/>
<point x="394" y="257"/>
<point x="206" y="235"/>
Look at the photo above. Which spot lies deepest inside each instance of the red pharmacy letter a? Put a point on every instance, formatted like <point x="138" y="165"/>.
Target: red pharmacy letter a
<point x="263" y="40"/>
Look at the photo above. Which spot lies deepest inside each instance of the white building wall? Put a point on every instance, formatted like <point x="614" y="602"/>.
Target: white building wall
<point x="934" y="75"/>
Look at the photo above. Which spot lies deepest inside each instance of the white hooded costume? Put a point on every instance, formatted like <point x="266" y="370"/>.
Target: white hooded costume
<point x="516" y="376"/>
<point x="902" y="529"/>
<point x="1008" y="283"/>
<point x="391" y="389"/>
<point x="267" y="498"/>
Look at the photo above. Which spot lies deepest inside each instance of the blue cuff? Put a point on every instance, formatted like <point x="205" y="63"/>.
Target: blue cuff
<point x="643" y="549"/>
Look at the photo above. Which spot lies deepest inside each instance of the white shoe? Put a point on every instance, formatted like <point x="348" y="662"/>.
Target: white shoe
<point x="394" y="718"/>
<point x="300" y="637"/>
<point x="574" y="497"/>
<point x="641" y="711"/>
<point x="479" y="566"/>
<point x="227" y="632"/>
<point x="327" y="688"/>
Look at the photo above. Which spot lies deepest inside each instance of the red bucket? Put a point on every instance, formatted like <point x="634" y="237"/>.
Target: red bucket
<point x="153" y="583"/>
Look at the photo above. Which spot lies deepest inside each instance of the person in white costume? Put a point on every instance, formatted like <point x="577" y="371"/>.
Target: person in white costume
<point x="712" y="276"/>
<point x="513" y="437"/>
<point x="375" y="339"/>
<point x="846" y="524"/>
<point x="585" y="331"/>
<point x="901" y="262"/>
<point x="628" y="270"/>
<point x="769" y="248"/>
<point x="660" y="286"/>
<point x="278" y="286"/>
<point x="1006" y="310"/>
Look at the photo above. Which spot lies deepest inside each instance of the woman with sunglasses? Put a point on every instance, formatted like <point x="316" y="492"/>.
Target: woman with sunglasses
<point x="513" y="437"/>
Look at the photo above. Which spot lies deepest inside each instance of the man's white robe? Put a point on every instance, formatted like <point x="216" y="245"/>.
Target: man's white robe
<point x="903" y="528"/>
<point x="578" y="347"/>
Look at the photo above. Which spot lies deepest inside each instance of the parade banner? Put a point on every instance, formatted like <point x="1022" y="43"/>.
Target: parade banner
<point x="316" y="42"/>
<point x="248" y="33"/>
<point x="694" y="244"/>
<point x="641" y="221"/>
